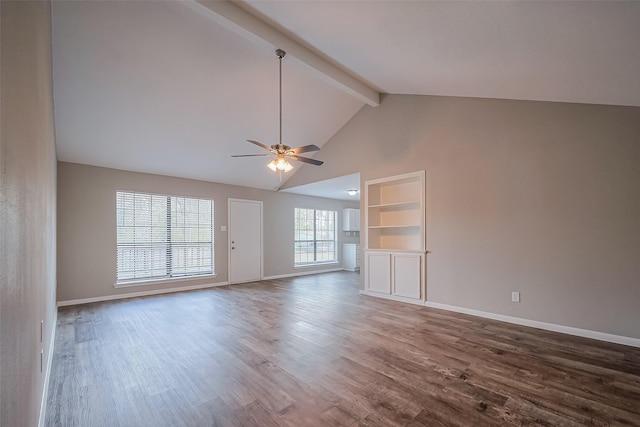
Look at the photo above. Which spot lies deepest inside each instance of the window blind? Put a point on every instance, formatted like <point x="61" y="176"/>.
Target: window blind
<point x="315" y="236"/>
<point x="160" y="236"/>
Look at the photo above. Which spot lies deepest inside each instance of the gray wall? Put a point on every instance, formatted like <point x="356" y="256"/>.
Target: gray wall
<point x="87" y="226"/>
<point x="27" y="208"/>
<point x="537" y="197"/>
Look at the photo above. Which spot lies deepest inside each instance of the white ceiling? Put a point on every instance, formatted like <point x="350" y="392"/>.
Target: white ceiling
<point x="571" y="51"/>
<point x="157" y="87"/>
<point x="335" y="188"/>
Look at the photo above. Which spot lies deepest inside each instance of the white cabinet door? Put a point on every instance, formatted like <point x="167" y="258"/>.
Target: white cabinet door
<point x="350" y="219"/>
<point x="407" y="275"/>
<point x="349" y="257"/>
<point x="378" y="272"/>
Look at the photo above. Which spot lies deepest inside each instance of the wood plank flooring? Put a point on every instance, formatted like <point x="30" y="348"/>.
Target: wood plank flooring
<point x="311" y="351"/>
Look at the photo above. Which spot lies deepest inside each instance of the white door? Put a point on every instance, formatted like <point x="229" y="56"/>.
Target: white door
<point x="407" y="275"/>
<point x="245" y="240"/>
<point x="378" y="272"/>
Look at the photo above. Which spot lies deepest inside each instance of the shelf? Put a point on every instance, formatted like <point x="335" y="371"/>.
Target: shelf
<point x="395" y="191"/>
<point x="415" y="203"/>
<point x="395" y="238"/>
<point x="397" y="250"/>
<point x="395" y="226"/>
<point x="399" y="214"/>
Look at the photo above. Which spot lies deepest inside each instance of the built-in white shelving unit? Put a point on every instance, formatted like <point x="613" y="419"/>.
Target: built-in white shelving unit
<point x="395" y="237"/>
<point x="395" y="213"/>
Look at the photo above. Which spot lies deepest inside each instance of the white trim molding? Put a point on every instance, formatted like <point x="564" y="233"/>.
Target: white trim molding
<point x="143" y="282"/>
<point x="302" y="273"/>
<point x="601" y="336"/>
<point x="392" y="297"/>
<point x="47" y="373"/>
<point x="139" y="294"/>
<point x="316" y="264"/>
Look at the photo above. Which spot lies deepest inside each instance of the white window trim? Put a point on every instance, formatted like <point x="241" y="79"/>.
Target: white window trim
<point x="315" y="264"/>
<point x="145" y="282"/>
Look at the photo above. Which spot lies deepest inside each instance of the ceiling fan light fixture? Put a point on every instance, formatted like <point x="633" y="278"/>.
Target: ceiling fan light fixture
<point x="284" y="165"/>
<point x="280" y="164"/>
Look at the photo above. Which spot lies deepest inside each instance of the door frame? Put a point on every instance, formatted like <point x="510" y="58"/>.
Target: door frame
<point x="259" y="203"/>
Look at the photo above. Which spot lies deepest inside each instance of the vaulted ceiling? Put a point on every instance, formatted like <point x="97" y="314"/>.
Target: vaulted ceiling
<point x="175" y="88"/>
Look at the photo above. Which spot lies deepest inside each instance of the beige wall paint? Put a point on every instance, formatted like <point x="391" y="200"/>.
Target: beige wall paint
<point x="27" y="208"/>
<point x="87" y="226"/>
<point x="537" y="197"/>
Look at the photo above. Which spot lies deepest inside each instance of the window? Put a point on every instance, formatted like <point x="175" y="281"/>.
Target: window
<point x="315" y="236"/>
<point x="162" y="237"/>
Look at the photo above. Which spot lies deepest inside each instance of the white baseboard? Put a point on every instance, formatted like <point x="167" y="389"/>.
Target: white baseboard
<point x="302" y="273"/>
<point x="180" y="289"/>
<point x="618" y="339"/>
<point x="47" y="372"/>
<point x="139" y="294"/>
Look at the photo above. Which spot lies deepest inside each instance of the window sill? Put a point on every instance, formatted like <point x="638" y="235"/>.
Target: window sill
<point x="315" y="264"/>
<point x="143" y="282"/>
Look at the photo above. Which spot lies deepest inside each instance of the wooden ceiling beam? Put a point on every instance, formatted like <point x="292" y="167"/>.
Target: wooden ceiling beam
<point x="232" y="16"/>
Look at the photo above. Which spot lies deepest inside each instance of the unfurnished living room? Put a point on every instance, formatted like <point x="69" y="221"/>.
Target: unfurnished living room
<point x="319" y="213"/>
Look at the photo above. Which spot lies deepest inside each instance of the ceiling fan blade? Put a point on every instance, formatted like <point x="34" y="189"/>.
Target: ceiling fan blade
<point x="306" y="160"/>
<point x="260" y="144"/>
<point x="305" y="149"/>
<point x="250" y="155"/>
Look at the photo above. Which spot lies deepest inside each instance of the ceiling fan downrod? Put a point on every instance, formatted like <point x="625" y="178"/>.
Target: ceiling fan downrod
<point x="280" y="54"/>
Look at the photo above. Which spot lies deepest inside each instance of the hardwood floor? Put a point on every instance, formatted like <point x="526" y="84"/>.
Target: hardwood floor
<point x="311" y="351"/>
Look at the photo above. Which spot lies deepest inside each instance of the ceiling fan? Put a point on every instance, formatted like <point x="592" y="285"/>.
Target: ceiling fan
<point x="281" y="151"/>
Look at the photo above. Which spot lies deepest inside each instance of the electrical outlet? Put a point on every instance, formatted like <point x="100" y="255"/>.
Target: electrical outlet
<point x="515" y="296"/>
